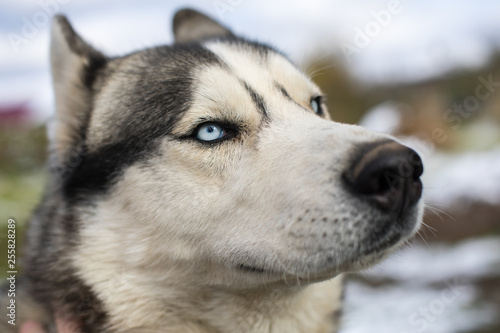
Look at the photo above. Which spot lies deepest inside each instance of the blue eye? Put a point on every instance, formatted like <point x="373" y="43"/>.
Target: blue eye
<point x="316" y="105"/>
<point x="210" y="132"/>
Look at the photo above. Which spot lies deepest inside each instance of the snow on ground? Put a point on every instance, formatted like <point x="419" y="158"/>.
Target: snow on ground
<point x="472" y="176"/>
<point x="467" y="260"/>
<point x="412" y="309"/>
<point x="433" y="292"/>
<point x="383" y="118"/>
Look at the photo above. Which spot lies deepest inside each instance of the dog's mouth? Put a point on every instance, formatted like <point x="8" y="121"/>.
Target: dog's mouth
<point x="251" y="269"/>
<point x="387" y="237"/>
<point x="390" y="239"/>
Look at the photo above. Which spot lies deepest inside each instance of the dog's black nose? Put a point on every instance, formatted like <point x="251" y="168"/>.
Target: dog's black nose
<point x="388" y="175"/>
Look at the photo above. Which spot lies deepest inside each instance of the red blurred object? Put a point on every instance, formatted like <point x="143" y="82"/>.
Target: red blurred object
<point x="14" y="115"/>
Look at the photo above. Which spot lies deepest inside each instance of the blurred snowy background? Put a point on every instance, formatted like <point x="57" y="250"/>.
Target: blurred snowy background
<point x="425" y="71"/>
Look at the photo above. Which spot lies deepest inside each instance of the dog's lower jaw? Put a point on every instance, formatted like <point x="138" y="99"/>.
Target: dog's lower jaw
<point x="313" y="308"/>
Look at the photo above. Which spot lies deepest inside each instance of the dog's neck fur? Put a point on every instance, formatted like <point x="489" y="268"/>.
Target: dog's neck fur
<point x="306" y="310"/>
<point x="311" y="309"/>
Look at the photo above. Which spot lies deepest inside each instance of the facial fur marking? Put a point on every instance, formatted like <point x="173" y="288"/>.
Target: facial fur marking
<point x="287" y="96"/>
<point x="283" y="91"/>
<point x="257" y="99"/>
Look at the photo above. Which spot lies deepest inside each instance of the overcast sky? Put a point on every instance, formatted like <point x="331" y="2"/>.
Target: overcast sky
<point x="380" y="40"/>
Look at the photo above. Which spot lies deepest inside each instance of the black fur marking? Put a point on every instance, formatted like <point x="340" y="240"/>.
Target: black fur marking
<point x="91" y="71"/>
<point x="98" y="170"/>
<point x="257" y="99"/>
<point x="69" y="296"/>
<point x="51" y="279"/>
<point x="284" y="92"/>
<point x="287" y="96"/>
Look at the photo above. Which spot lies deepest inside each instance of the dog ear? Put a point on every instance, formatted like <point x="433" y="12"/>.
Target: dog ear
<point x="75" y="67"/>
<point x="190" y="25"/>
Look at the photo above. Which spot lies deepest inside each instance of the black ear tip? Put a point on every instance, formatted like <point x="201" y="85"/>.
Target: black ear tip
<point x="65" y="39"/>
<point x="186" y="14"/>
<point x="60" y="24"/>
<point x="61" y="20"/>
<point x="190" y="25"/>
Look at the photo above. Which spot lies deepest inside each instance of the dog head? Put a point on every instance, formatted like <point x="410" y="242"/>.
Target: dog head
<point x="216" y="157"/>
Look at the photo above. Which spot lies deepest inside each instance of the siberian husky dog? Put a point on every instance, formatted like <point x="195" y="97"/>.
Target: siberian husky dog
<point x="202" y="188"/>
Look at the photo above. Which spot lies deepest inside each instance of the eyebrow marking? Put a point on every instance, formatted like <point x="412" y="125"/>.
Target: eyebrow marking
<point x="287" y="96"/>
<point x="257" y="99"/>
<point x="283" y="91"/>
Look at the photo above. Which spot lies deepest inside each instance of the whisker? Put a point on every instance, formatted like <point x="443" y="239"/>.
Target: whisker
<point x="433" y="211"/>
<point x="436" y="194"/>
<point x="207" y="97"/>
<point x="319" y="70"/>
<point x="318" y="60"/>
<point x="428" y="227"/>
<point x="437" y="210"/>
<point x="419" y="233"/>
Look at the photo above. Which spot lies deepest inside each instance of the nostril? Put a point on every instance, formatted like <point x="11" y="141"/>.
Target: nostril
<point x="387" y="174"/>
<point x="383" y="185"/>
<point x="416" y="162"/>
<point x="374" y="179"/>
